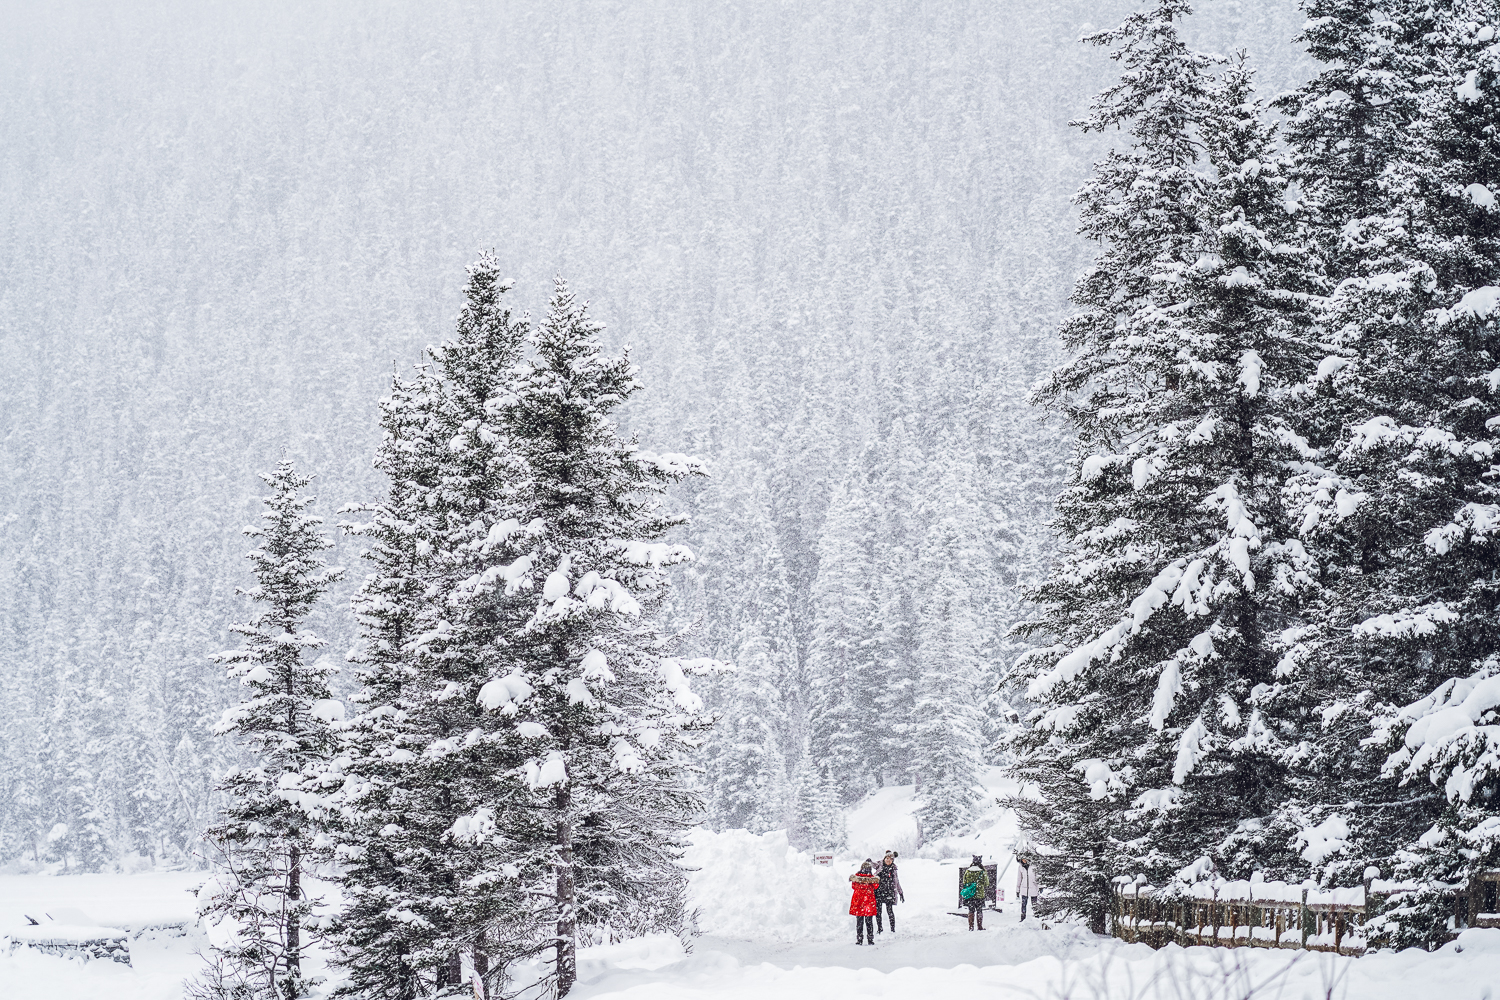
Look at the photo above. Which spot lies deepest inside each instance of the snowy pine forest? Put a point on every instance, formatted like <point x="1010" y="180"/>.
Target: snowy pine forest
<point x="949" y="394"/>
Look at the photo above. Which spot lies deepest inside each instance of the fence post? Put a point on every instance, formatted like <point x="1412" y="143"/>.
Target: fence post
<point x="1364" y="916"/>
<point x="1302" y="916"/>
<point x="1214" y="915"/>
<point x="1253" y="918"/>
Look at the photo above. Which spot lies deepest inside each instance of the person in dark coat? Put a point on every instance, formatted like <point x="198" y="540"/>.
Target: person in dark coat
<point x="887" y="892"/>
<point x="976" y="882"/>
<point x="862" y="904"/>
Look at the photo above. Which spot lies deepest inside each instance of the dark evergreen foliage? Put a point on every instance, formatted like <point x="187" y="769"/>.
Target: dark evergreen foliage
<point x="262" y="847"/>
<point x="1183" y="567"/>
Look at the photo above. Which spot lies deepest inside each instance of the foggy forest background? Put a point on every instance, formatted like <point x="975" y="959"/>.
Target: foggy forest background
<point x="833" y="234"/>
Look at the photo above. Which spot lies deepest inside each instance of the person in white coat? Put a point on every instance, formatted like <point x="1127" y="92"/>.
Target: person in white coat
<point x="1027" y="887"/>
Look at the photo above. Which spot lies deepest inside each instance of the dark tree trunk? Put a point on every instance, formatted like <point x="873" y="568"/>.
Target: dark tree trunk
<point x="293" y="895"/>
<point x="567" y="930"/>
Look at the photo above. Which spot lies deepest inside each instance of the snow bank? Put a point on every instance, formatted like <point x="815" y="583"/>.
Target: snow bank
<point x="760" y="888"/>
<point x="157" y="972"/>
<point x="647" y="954"/>
<point x="129" y="901"/>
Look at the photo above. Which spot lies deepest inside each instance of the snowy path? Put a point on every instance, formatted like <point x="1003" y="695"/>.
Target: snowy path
<point x="927" y="934"/>
<point x="928" y="940"/>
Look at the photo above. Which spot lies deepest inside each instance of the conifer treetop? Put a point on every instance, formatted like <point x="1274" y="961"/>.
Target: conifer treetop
<point x="291" y="576"/>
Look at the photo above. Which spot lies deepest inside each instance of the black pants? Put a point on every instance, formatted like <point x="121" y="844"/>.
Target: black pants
<point x="1023" y="905"/>
<point x="864" y="927"/>
<point x="890" y="911"/>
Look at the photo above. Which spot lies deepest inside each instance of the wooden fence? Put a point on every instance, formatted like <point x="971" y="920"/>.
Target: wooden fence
<point x="1276" y="914"/>
<point x="1230" y="914"/>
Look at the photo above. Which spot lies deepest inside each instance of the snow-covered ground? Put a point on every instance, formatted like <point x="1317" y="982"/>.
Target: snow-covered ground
<point x="159" y="961"/>
<point x="129" y="901"/>
<point x="776" y="926"/>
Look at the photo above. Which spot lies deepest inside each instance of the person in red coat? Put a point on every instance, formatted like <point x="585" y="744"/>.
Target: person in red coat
<point x="862" y="905"/>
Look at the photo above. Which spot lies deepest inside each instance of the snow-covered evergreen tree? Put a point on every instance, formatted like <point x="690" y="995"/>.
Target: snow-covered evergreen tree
<point x="846" y="725"/>
<point x="520" y="765"/>
<point x="425" y="868"/>
<point x="1346" y="127"/>
<point x="607" y="715"/>
<point x="1402" y="461"/>
<point x="1139" y="205"/>
<point x="1430" y="608"/>
<point x="258" y="899"/>
<point x="751" y="750"/>
<point x="748" y="782"/>
<point x="954" y="641"/>
<point x="898" y="496"/>
<point x="820" y="806"/>
<point x="1181" y="569"/>
<point x="377" y="939"/>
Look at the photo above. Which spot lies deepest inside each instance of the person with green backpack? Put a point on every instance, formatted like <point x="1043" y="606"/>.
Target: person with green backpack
<point x="973" y="888"/>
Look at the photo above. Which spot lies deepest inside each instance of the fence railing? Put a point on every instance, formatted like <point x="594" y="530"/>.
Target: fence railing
<point x="1277" y="914"/>
<point x="1253" y="914"/>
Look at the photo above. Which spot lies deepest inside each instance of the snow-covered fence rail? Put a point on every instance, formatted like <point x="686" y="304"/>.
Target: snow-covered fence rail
<point x="1254" y="914"/>
<point x="69" y="941"/>
<point x="1278" y="914"/>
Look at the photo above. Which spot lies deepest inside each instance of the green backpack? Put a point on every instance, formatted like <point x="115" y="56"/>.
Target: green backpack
<point x="970" y="889"/>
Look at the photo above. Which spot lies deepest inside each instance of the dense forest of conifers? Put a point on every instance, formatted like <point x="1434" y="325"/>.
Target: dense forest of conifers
<point x="1190" y="519"/>
<point x="839" y="242"/>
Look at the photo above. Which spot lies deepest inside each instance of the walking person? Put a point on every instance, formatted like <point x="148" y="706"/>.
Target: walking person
<point x="862" y="904"/>
<point x="887" y="892"/>
<point x="973" y="887"/>
<point x="1027" y="887"/>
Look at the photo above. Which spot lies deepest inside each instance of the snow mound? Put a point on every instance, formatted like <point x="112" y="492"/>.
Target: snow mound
<point x="1475" y="941"/>
<point x="886" y="820"/>
<point x="132" y="902"/>
<point x="761" y="888"/>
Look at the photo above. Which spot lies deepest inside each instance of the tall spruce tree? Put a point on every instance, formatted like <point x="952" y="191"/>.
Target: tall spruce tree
<point x="954" y="640"/>
<point x="1347" y="126"/>
<point x="607" y="773"/>
<point x="845" y="725"/>
<point x="1181" y="569"/>
<point x="1436" y="626"/>
<point x="748" y="752"/>
<point x="430" y="874"/>
<point x="1139" y="206"/>
<point x="378" y="939"/>
<point x="1386" y="508"/>
<point x="521" y="766"/>
<point x="607" y="715"/>
<point x="258" y="899"/>
<point x="900" y="466"/>
<point x="747" y="772"/>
